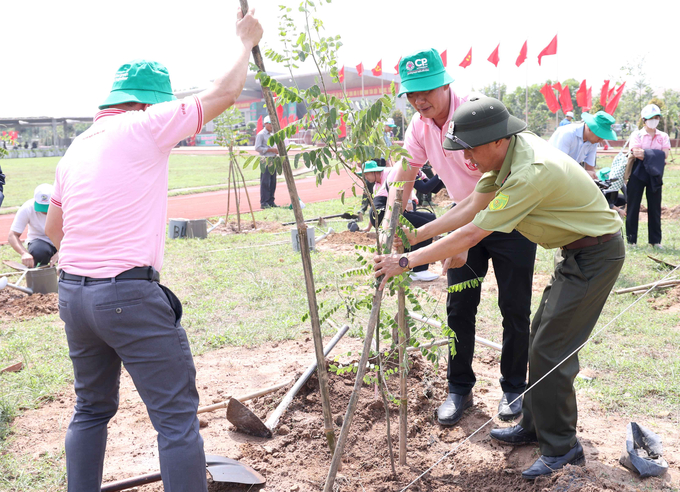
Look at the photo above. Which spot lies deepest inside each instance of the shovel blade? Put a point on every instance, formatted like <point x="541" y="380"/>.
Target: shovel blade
<point x="235" y="473"/>
<point x="245" y="420"/>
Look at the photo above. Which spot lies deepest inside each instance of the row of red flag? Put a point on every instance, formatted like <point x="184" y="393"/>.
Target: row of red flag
<point x="494" y="58"/>
<point x="12" y="135"/>
<point x="609" y="97"/>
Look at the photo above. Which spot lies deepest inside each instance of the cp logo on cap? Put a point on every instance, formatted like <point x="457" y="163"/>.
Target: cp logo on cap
<point x="421" y="62"/>
<point x="410" y="65"/>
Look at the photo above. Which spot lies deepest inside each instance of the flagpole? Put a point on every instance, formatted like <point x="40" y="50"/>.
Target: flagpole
<point x="557" y="73"/>
<point x="526" y="94"/>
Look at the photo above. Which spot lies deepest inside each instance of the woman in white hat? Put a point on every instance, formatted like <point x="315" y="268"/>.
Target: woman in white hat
<point x="650" y="147"/>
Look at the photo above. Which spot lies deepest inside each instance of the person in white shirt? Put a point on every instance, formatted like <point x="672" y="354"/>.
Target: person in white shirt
<point x="33" y="213"/>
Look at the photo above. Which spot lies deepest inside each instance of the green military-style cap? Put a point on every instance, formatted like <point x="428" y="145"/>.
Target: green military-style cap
<point x="600" y="124"/>
<point x="422" y="71"/>
<point x="479" y="121"/>
<point x="141" y="81"/>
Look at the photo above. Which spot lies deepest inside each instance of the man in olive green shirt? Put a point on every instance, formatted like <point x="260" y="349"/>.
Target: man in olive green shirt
<point x="530" y="186"/>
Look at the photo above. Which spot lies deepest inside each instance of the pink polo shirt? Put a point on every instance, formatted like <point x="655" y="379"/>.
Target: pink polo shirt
<point x="112" y="187"/>
<point x="387" y="178"/>
<point x="424" y="141"/>
<point x="643" y="140"/>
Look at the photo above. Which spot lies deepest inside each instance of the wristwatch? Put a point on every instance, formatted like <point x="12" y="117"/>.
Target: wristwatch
<point x="403" y="262"/>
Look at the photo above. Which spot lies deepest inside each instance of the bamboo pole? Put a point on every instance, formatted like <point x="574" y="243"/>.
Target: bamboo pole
<point x="382" y="386"/>
<point x="245" y="188"/>
<point x="665" y="283"/>
<point x="226" y="217"/>
<point x="403" y="362"/>
<point x="363" y="361"/>
<point x="236" y="194"/>
<point x="304" y="253"/>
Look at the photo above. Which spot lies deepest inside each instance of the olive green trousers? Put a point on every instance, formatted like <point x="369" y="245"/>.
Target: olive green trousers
<point x="569" y="309"/>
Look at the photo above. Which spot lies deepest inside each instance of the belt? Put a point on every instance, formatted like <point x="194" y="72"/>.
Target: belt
<point x="591" y="241"/>
<point x="137" y="273"/>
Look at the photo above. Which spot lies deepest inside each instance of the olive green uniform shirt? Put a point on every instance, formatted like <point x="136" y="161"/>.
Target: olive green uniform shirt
<point x="545" y="195"/>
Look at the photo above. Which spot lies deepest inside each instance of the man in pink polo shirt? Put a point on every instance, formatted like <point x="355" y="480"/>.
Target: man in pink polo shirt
<point x="425" y="82"/>
<point x="107" y="218"/>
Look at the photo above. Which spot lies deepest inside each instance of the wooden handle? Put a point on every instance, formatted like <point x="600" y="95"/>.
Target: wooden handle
<point x="264" y="391"/>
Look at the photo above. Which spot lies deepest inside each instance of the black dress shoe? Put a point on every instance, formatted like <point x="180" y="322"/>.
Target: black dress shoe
<point x="507" y="410"/>
<point x="515" y="435"/>
<point x="452" y="409"/>
<point x="545" y="465"/>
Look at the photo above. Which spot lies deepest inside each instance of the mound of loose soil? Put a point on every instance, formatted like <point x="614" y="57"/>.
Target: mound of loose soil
<point x="670" y="213"/>
<point x="247" y="226"/>
<point x="297" y="458"/>
<point x="15" y="305"/>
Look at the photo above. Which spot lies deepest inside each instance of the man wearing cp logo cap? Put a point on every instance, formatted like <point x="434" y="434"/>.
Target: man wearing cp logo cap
<point x="530" y="186"/>
<point x="425" y="82"/>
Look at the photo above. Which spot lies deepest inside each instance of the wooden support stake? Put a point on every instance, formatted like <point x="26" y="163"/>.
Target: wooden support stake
<point x="304" y="253"/>
<point x="363" y="361"/>
<point x="403" y="365"/>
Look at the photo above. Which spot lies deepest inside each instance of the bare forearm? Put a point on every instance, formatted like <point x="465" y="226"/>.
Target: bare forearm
<point x="14" y="241"/>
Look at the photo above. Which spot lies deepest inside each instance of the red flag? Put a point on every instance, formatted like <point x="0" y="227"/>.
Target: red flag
<point x="522" y="55"/>
<point x="551" y="49"/>
<point x="343" y="128"/>
<point x="603" y="94"/>
<point x="589" y="99"/>
<point x="582" y="94"/>
<point x="260" y="126"/>
<point x="396" y="67"/>
<point x="360" y="69"/>
<point x="558" y="87"/>
<point x="467" y="60"/>
<point x="443" y="55"/>
<point x="565" y="99"/>
<point x="377" y="71"/>
<point x="611" y="105"/>
<point x="341" y="75"/>
<point x="493" y="57"/>
<point x="550" y="98"/>
<point x="279" y="113"/>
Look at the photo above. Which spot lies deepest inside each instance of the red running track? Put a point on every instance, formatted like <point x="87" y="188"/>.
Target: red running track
<point x="211" y="204"/>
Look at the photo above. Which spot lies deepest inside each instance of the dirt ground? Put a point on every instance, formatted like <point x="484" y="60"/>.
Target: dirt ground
<point x="296" y="459"/>
<point x="15" y="305"/>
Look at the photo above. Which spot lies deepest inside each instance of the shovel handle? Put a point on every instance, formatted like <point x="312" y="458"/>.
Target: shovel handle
<point x="264" y="391"/>
<point x="128" y="483"/>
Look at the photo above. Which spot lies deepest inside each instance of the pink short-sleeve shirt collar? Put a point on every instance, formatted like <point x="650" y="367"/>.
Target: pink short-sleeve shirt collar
<point x="424" y="141"/>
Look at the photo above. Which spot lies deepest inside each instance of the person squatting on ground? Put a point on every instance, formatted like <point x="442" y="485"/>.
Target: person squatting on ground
<point x="110" y="300"/>
<point x="579" y="141"/>
<point x="531" y="187"/>
<point x="649" y="150"/>
<point x="267" y="174"/>
<point x="384" y="177"/>
<point x="425" y="82"/>
<point x="32" y="214"/>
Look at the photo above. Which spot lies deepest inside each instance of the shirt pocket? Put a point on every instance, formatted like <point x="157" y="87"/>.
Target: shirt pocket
<point x="531" y="231"/>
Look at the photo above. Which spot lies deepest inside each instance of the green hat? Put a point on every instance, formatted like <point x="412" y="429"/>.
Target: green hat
<point x="141" y="81"/>
<point x="422" y="71"/>
<point x="603" y="174"/>
<point x="371" y="167"/>
<point x="479" y="121"/>
<point x="600" y="124"/>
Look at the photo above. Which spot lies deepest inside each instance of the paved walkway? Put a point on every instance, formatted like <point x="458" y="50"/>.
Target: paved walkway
<point x="211" y="204"/>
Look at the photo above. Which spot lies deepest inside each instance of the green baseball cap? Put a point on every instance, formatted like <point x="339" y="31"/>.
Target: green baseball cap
<point x="422" y="71"/>
<point x="479" y="121"/>
<point x="371" y="167"/>
<point x="600" y="124"/>
<point x="141" y="81"/>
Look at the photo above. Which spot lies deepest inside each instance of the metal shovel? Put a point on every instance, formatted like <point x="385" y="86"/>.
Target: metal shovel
<point x="5" y="283"/>
<point x="221" y="469"/>
<point x="246" y="421"/>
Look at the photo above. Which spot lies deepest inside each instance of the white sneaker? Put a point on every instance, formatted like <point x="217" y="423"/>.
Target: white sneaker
<point x="424" y="276"/>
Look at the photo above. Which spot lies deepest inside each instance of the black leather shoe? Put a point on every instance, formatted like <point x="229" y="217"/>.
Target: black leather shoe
<point x="515" y="435"/>
<point x="507" y="410"/>
<point x="452" y="409"/>
<point x="545" y="465"/>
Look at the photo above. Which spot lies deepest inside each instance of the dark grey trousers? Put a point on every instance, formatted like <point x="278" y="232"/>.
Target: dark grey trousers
<point x="136" y="322"/>
<point x="569" y="309"/>
<point x="42" y="251"/>
<point x="267" y="187"/>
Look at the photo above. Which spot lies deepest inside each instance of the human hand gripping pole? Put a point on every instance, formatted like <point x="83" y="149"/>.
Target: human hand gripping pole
<point x="304" y="252"/>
